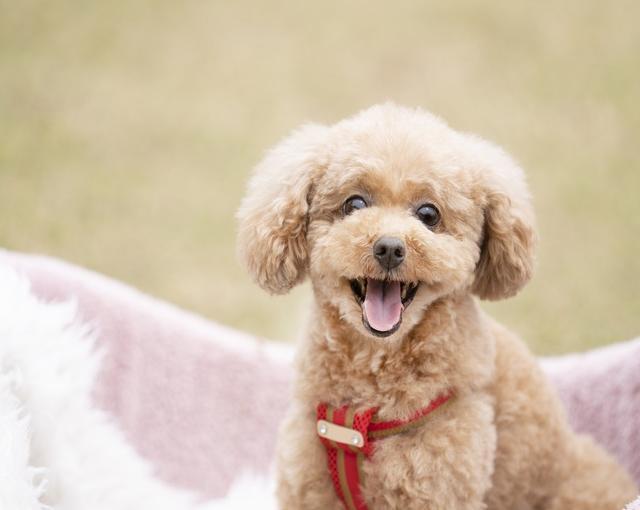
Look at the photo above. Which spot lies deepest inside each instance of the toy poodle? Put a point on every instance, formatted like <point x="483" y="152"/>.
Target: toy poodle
<point x="407" y="395"/>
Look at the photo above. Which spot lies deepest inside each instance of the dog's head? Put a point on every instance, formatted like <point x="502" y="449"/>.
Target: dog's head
<point x="387" y="212"/>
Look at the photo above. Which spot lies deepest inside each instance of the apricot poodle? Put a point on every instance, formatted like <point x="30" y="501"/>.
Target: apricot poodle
<point x="407" y="394"/>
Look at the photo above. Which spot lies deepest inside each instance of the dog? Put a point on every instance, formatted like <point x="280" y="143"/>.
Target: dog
<point x="407" y="395"/>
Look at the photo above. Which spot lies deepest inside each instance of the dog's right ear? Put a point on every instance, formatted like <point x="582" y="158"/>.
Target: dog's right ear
<point x="273" y="216"/>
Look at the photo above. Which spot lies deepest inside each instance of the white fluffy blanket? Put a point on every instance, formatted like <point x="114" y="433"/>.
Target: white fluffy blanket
<point x="56" y="449"/>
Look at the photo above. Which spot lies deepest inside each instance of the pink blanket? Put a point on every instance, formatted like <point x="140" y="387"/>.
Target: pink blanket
<point x="202" y="402"/>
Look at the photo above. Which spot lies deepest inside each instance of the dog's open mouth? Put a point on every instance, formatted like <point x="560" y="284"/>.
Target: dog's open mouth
<point x="383" y="302"/>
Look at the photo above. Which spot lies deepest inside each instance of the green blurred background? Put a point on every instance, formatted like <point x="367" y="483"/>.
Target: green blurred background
<point x="127" y="131"/>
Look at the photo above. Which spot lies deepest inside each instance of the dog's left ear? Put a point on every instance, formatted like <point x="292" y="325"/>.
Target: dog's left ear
<point x="509" y="239"/>
<point x="273" y="216"/>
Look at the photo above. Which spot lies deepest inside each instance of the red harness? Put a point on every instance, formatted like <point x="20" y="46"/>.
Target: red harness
<point x="349" y="436"/>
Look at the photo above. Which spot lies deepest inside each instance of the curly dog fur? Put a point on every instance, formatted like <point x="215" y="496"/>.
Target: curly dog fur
<point x="503" y="442"/>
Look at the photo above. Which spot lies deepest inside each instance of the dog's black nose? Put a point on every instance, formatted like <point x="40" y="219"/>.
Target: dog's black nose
<point x="389" y="251"/>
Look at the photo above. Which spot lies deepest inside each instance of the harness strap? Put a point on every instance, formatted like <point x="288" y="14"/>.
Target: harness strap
<point x="349" y="439"/>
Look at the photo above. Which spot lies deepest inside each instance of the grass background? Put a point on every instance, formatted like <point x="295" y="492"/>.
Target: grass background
<point x="127" y="131"/>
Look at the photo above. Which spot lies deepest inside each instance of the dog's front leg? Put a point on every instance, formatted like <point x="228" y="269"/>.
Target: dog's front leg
<point x="303" y="480"/>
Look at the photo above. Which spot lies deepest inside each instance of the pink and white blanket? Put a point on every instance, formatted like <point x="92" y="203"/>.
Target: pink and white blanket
<point x="200" y="403"/>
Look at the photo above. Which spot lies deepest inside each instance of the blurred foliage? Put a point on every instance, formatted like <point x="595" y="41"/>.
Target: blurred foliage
<point x="127" y="131"/>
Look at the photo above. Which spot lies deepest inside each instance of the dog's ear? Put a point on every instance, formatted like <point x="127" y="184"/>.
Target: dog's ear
<point x="509" y="239"/>
<point x="273" y="216"/>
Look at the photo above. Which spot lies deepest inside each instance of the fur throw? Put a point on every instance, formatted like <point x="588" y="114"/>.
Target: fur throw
<point x="57" y="450"/>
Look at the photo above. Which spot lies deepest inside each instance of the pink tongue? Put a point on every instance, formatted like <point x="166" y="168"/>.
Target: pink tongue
<point x="382" y="304"/>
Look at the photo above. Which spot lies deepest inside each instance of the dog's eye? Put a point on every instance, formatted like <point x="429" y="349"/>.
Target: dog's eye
<point x="428" y="214"/>
<point x="353" y="204"/>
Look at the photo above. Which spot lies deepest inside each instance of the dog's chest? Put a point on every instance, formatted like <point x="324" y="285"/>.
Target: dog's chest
<point x="424" y="468"/>
<point x="399" y="466"/>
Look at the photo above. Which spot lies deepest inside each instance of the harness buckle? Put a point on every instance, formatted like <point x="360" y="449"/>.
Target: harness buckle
<point x="339" y="434"/>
